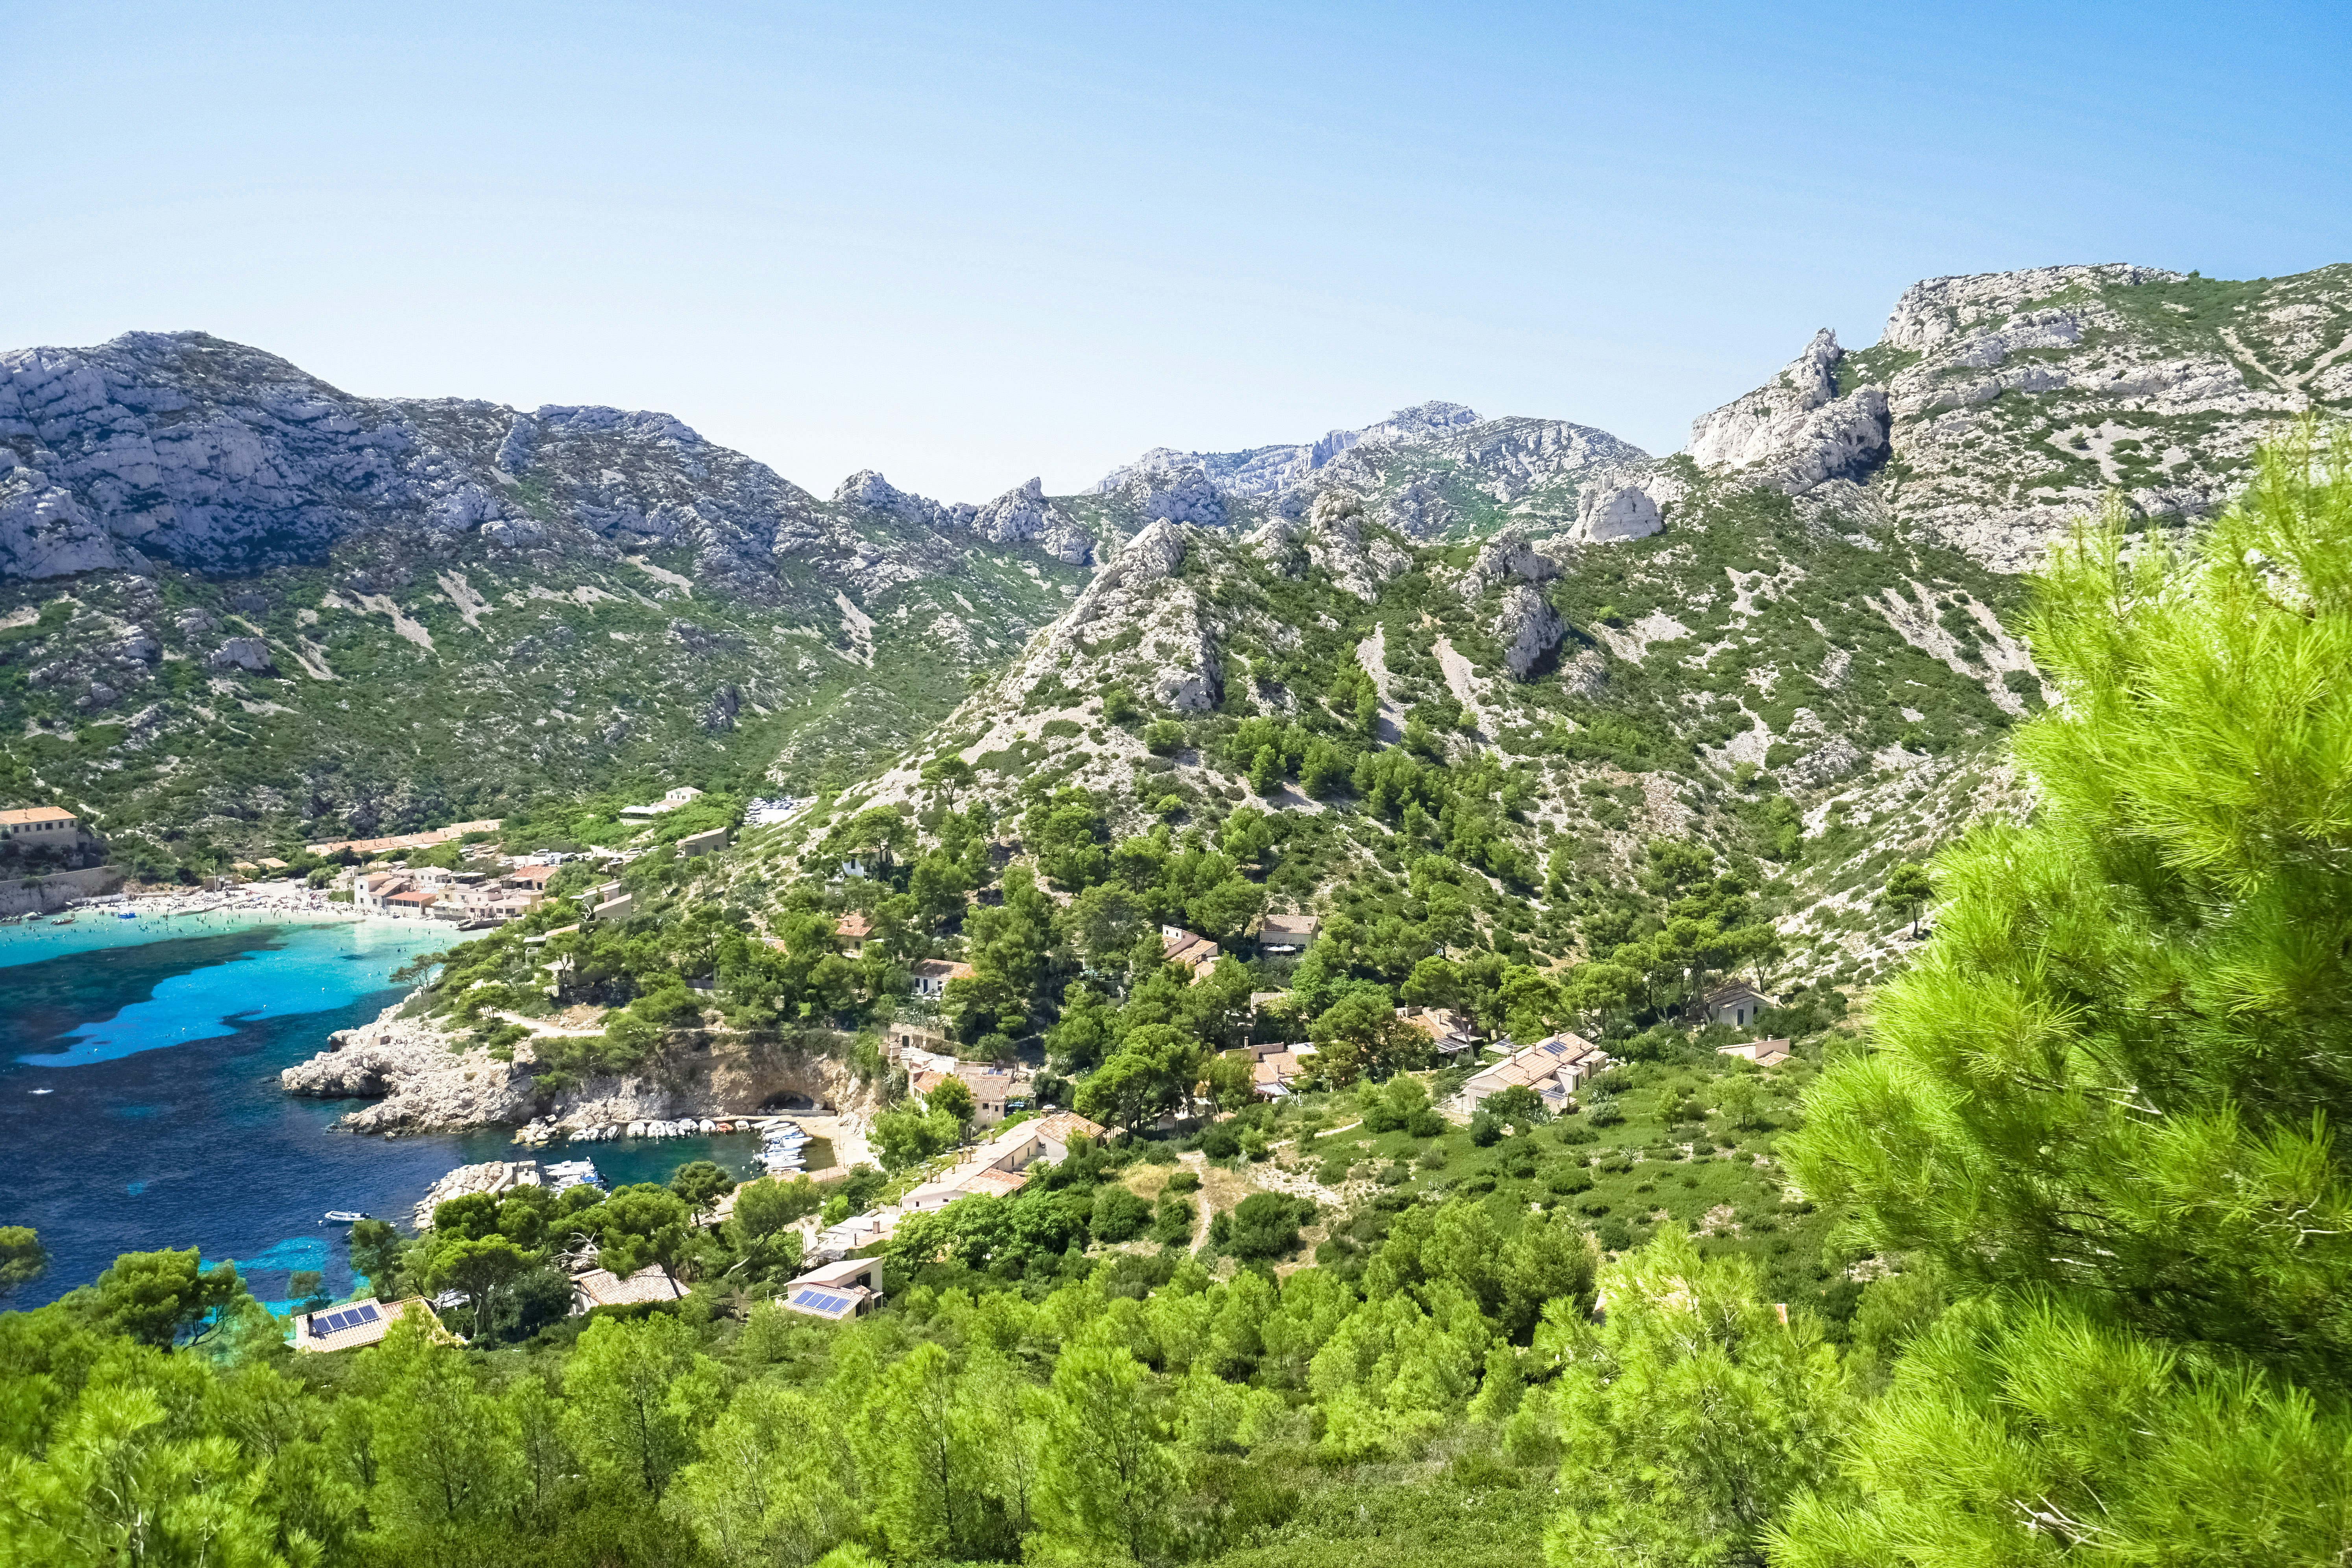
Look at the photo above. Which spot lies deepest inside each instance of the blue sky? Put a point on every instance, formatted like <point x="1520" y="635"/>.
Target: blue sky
<point x="965" y="244"/>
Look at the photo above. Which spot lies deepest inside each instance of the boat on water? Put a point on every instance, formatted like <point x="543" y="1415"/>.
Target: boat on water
<point x="41" y="1091"/>
<point x="344" y="1216"/>
<point x="67" y="921"/>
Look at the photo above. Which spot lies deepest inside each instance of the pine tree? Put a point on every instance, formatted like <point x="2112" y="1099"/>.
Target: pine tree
<point x="2102" y="1099"/>
<point x="2113" y="1069"/>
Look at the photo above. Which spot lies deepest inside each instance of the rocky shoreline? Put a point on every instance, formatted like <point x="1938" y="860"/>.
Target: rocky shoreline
<point x="421" y="1085"/>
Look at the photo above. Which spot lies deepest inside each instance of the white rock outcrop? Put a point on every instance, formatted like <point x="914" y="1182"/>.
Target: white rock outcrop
<point x="1527" y="628"/>
<point x="1023" y="513"/>
<point x="1613" y="510"/>
<point x="1794" y="432"/>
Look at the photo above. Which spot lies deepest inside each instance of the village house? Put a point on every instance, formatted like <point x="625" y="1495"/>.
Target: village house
<point x="1449" y="1032"/>
<point x="932" y="976"/>
<point x="1287" y="934"/>
<point x="1194" y="952"/>
<point x="1736" y="1003"/>
<point x="32" y="827"/>
<point x="529" y="878"/>
<point x="353" y="1324"/>
<point x="705" y="843"/>
<point x="1763" y="1053"/>
<point x="992" y="1087"/>
<point x="371" y="891"/>
<point x="1554" y="1067"/>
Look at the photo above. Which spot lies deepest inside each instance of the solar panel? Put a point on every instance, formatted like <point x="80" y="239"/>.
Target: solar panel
<point x="820" y="1301"/>
<point x="326" y="1325"/>
<point x="341" y="1320"/>
<point x="368" y="1313"/>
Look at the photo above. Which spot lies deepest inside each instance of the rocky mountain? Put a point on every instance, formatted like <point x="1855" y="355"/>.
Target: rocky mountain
<point x="1995" y="410"/>
<point x="236" y="602"/>
<point x="1794" y="642"/>
<point x="1435" y="471"/>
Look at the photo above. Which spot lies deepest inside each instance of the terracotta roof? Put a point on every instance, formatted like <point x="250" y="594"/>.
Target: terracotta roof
<point x="1065" y="1125"/>
<point x="34" y="814"/>
<point x="602" y="1288"/>
<point x="853" y="926"/>
<point x="1763" y="1053"/>
<point x="1290" y="925"/>
<point x="1188" y="948"/>
<point x="942" y="969"/>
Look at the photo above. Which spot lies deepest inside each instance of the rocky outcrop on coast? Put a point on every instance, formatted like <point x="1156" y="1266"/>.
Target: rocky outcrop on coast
<point x="421" y="1084"/>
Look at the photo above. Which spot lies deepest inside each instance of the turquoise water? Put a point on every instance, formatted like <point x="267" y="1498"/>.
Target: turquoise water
<point x="159" y="1045"/>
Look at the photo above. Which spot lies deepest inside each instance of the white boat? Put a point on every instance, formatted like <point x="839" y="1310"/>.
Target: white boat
<point x="43" y="1091"/>
<point x="344" y="1216"/>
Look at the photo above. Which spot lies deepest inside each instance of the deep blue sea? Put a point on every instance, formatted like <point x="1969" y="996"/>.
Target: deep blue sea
<point x="159" y="1041"/>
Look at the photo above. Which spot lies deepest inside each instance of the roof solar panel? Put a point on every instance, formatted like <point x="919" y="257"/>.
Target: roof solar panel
<point x="368" y="1314"/>
<point x="327" y="1325"/>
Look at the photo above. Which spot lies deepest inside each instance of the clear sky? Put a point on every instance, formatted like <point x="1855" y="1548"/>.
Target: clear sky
<point x="968" y="243"/>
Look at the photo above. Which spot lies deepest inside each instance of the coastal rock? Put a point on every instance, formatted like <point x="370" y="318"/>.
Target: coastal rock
<point x="422" y="1086"/>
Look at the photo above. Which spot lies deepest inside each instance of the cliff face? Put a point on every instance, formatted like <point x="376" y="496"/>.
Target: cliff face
<point x="420" y="1085"/>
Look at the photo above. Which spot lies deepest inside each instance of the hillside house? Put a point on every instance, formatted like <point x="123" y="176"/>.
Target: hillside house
<point x="932" y="976"/>
<point x="667" y="803"/>
<point x="1194" y="952"/>
<point x="1554" y="1067"/>
<point x="1763" y="1053"/>
<point x="1450" y="1033"/>
<point x="1278" y="1069"/>
<point x="1000" y="1165"/>
<point x="529" y="878"/>
<point x="853" y="929"/>
<point x="837" y="1290"/>
<point x="1736" y="1003"/>
<point x="706" y="842"/>
<point x="1287" y="934"/>
<point x="602" y="1288"/>
<point x="33" y="826"/>
<point x="916" y="1043"/>
<point x="351" y="1325"/>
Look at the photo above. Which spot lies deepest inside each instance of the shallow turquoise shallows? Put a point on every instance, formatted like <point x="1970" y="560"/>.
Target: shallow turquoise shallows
<point x="140" y="1106"/>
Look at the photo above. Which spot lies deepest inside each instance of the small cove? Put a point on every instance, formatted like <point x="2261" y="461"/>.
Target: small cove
<point x="160" y="1043"/>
